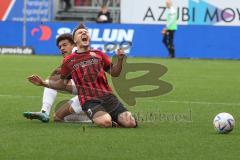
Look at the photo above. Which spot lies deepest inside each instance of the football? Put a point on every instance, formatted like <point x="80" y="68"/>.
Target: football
<point x="223" y="123"/>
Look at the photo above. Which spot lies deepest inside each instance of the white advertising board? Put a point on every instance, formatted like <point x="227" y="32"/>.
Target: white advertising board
<point x="190" y="12"/>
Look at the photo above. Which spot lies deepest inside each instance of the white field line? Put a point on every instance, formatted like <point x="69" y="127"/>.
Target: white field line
<point x="20" y="96"/>
<point x="200" y="102"/>
<point x="163" y="101"/>
<point x="16" y="96"/>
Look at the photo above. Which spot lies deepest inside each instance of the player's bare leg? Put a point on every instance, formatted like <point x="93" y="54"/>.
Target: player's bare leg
<point x="62" y="112"/>
<point x="66" y="114"/>
<point x="71" y="111"/>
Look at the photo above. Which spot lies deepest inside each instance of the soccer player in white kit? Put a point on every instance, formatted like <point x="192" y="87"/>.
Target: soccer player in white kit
<point x="66" y="45"/>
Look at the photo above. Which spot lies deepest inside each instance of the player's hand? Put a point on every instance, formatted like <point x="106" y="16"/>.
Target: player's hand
<point x="120" y="54"/>
<point x="36" y="80"/>
<point x="164" y="31"/>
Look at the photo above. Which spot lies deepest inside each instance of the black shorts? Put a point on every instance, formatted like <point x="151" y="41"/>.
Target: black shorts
<point x="108" y="103"/>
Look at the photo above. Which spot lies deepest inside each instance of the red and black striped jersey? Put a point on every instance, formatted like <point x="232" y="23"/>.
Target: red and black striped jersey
<point x="88" y="69"/>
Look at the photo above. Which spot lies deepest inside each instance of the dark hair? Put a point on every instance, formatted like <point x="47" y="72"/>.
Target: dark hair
<point x="64" y="36"/>
<point x="80" y="26"/>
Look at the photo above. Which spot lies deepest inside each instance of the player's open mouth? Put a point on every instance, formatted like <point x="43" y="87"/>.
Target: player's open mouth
<point x="84" y="37"/>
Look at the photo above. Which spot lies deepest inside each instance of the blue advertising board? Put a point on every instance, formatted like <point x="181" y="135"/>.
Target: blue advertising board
<point x="11" y="34"/>
<point x="190" y="41"/>
<point x="36" y="10"/>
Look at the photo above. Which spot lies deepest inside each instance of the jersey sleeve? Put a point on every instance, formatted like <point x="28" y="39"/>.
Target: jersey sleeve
<point x="106" y="60"/>
<point x="65" y="71"/>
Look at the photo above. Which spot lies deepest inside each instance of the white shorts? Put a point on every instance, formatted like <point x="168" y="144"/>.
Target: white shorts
<point x="79" y="115"/>
<point x="74" y="49"/>
<point x="74" y="88"/>
<point x="75" y="104"/>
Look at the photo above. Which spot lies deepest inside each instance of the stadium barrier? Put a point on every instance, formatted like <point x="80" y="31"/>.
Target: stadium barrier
<point x="191" y="41"/>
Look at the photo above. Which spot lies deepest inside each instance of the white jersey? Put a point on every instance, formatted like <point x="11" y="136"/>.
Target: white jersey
<point x="74" y="49"/>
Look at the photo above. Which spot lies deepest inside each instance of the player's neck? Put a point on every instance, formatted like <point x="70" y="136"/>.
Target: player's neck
<point x="82" y="49"/>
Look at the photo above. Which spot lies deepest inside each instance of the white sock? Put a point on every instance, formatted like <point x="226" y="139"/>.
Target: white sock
<point x="49" y="96"/>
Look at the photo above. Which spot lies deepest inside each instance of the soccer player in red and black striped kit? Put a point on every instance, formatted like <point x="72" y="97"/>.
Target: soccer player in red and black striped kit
<point x="87" y="68"/>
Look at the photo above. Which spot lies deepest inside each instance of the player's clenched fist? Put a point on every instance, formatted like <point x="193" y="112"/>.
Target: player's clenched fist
<point x="120" y="54"/>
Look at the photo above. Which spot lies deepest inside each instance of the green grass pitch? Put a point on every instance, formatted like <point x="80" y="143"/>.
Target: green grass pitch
<point x="202" y="88"/>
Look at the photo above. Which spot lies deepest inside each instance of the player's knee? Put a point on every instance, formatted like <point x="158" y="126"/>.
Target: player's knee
<point x="102" y="119"/>
<point x="106" y="123"/>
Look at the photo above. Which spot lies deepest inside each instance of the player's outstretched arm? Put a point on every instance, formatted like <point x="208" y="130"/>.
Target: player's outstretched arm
<point x="38" y="81"/>
<point x="117" y="67"/>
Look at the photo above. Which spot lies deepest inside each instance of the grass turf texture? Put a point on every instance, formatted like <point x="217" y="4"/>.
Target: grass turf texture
<point x="202" y="88"/>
